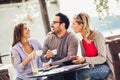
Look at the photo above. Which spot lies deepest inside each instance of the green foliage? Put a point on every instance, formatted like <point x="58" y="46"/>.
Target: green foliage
<point x="102" y="9"/>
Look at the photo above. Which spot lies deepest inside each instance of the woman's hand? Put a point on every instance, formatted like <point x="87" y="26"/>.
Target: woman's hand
<point x="74" y="57"/>
<point x="79" y="60"/>
<point x="32" y="55"/>
<point x="29" y="58"/>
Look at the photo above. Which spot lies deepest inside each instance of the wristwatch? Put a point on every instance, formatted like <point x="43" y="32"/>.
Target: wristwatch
<point x="50" y="64"/>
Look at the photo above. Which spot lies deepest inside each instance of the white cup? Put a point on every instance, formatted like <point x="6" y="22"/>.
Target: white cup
<point x="54" y="51"/>
<point x="34" y="66"/>
<point x="119" y="55"/>
<point x="39" y="52"/>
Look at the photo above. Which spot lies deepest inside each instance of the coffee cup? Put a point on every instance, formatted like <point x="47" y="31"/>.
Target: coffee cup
<point x="54" y="51"/>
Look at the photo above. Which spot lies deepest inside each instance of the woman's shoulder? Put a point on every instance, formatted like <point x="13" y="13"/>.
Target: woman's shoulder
<point x="99" y="36"/>
<point x="98" y="33"/>
<point x="16" y="45"/>
<point x="33" y="41"/>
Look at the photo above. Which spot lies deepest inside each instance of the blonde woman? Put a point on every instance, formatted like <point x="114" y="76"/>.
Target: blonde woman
<point x="93" y="50"/>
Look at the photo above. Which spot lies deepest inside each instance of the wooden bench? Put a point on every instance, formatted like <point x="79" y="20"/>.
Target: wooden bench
<point x="114" y="47"/>
<point x="4" y="74"/>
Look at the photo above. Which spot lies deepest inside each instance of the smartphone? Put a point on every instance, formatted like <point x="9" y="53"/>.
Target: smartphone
<point x="69" y="62"/>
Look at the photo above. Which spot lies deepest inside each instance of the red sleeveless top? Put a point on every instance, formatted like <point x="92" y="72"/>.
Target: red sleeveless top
<point x="90" y="49"/>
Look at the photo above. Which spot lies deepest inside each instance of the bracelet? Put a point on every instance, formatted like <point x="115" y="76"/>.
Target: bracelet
<point x="45" y="57"/>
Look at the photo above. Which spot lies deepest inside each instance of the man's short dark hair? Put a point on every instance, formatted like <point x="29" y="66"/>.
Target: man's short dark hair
<point x="63" y="19"/>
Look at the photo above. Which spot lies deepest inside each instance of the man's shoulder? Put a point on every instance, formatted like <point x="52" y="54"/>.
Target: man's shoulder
<point x="71" y="35"/>
<point x="51" y="36"/>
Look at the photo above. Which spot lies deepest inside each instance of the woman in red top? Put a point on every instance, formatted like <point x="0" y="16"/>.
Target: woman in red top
<point x="93" y="50"/>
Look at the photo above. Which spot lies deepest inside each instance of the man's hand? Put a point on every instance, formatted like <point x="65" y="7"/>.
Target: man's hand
<point x="49" y="54"/>
<point x="47" y="66"/>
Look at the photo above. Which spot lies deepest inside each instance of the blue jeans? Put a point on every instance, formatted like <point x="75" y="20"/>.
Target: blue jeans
<point x="98" y="72"/>
<point x="22" y="79"/>
<point x="18" y="78"/>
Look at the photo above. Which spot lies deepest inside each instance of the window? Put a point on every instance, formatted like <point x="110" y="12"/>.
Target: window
<point x="10" y="1"/>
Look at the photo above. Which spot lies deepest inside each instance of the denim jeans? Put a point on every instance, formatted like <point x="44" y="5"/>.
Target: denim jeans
<point x="22" y="79"/>
<point x="18" y="78"/>
<point x="98" y="72"/>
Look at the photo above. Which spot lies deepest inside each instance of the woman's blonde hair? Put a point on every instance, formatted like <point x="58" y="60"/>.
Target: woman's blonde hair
<point x="84" y="19"/>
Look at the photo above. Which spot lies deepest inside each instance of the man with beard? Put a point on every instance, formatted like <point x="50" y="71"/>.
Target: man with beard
<point x="63" y="41"/>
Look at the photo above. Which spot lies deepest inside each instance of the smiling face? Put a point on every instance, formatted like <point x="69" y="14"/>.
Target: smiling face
<point x="21" y="33"/>
<point x="26" y="32"/>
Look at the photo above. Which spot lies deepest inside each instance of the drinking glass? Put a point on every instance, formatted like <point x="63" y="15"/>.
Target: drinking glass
<point x="34" y="65"/>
